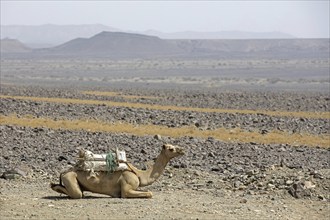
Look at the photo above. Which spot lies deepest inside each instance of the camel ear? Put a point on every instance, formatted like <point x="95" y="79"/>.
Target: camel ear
<point x="164" y="147"/>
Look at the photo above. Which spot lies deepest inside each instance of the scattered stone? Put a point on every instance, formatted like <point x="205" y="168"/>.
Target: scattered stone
<point x="252" y="172"/>
<point x="289" y="182"/>
<point x="317" y="175"/>
<point x="264" y="131"/>
<point x="260" y="184"/>
<point x="15" y="173"/>
<point x="216" y="169"/>
<point x="183" y="165"/>
<point x="270" y="186"/>
<point x="308" y="185"/>
<point x="237" y="184"/>
<point x="10" y="176"/>
<point x="60" y="158"/>
<point x="157" y="137"/>
<point x="243" y="200"/>
<point x="299" y="191"/>
<point x="71" y="162"/>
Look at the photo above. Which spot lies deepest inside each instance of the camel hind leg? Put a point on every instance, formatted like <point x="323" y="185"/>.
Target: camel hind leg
<point x="70" y="186"/>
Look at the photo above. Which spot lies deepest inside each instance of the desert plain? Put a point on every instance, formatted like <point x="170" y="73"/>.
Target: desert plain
<point x="255" y="132"/>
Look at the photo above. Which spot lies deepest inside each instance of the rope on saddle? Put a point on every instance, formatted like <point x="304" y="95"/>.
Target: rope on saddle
<point x="111" y="162"/>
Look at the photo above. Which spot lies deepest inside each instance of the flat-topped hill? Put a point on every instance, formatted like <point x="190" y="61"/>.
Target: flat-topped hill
<point x="118" y="44"/>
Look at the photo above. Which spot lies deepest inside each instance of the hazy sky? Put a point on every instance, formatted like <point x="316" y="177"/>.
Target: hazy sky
<point x="298" y="18"/>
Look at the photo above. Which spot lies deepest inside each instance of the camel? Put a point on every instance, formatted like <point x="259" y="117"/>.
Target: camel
<point x="119" y="184"/>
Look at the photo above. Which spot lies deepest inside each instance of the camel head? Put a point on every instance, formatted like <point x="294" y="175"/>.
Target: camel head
<point x="172" y="151"/>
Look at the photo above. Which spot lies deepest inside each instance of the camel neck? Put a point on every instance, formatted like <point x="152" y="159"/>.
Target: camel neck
<point x="154" y="172"/>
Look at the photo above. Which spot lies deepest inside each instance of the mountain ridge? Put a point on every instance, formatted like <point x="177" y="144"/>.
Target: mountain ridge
<point x="119" y="45"/>
<point x="52" y="35"/>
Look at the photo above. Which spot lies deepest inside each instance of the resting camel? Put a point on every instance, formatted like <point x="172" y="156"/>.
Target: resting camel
<point x="119" y="184"/>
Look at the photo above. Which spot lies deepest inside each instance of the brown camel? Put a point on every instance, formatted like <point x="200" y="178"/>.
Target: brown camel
<point x="118" y="184"/>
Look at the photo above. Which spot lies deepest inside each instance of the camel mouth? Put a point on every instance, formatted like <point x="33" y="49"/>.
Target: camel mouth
<point x="180" y="151"/>
<point x="175" y="150"/>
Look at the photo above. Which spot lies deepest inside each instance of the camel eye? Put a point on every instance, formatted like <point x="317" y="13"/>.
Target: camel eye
<point x="171" y="149"/>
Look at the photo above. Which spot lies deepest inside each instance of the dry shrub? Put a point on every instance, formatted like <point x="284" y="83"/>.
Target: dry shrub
<point x="226" y="135"/>
<point x="323" y="115"/>
<point x="100" y="93"/>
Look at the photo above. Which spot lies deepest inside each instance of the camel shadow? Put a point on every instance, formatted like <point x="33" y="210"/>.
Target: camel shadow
<point x="64" y="197"/>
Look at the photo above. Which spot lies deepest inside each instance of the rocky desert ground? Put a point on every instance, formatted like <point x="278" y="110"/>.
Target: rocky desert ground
<point x="257" y="147"/>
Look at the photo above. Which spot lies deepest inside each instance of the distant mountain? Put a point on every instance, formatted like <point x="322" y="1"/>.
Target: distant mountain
<point x="13" y="46"/>
<point x="128" y="45"/>
<point x="49" y="35"/>
<point x="118" y="44"/>
<point x="219" y="35"/>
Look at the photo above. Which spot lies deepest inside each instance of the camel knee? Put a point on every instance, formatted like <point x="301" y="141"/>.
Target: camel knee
<point x="74" y="191"/>
<point x="71" y="185"/>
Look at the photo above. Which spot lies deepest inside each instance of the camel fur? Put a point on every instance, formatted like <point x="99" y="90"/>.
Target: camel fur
<point x="119" y="184"/>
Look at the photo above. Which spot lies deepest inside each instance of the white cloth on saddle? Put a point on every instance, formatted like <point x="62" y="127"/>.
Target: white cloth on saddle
<point x="89" y="161"/>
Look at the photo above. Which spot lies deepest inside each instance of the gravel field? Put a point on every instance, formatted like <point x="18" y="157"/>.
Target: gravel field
<point x="215" y="179"/>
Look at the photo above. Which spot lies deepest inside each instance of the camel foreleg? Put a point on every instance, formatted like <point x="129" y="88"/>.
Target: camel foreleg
<point x="70" y="186"/>
<point x="59" y="188"/>
<point x="136" y="194"/>
<point x="129" y="184"/>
